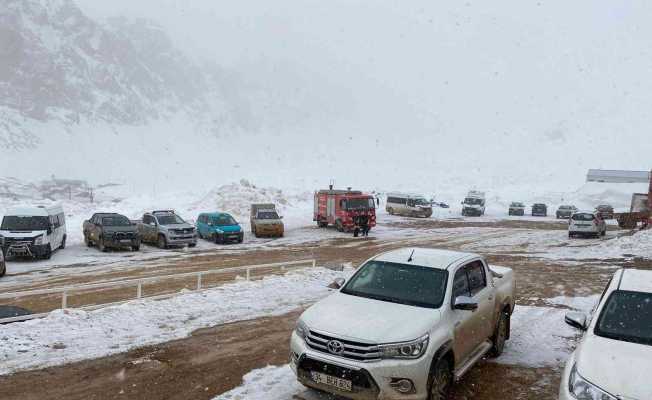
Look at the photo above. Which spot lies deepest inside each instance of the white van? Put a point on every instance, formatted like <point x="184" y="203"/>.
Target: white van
<point x="33" y="231"/>
<point x="408" y="205"/>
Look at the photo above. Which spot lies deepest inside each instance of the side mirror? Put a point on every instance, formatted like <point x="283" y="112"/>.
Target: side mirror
<point x="337" y="283"/>
<point x="576" y="320"/>
<point x="49" y="230"/>
<point x="465" y="303"/>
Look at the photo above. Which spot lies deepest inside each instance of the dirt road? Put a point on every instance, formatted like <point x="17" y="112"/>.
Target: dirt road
<point x="214" y="360"/>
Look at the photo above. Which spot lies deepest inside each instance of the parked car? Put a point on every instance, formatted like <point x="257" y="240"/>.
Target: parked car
<point x="565" y="211"/>
<point x="219" y="227"/>
<point x="516" y="208"/>
<point x="165" y="228"/>
<point x="614" y="357"/>
<point x="408" y="205"/>
<point x="539" y="210"/>
<point x="406" y="325"/>
<point x="606" y="210"/>
<point x="586" y="223"/>
<point x="33" y="231"/>
<point x="474" y="204"/>
<point x="265" y="221"/>
<point x="3" y="264"/>
<point x="111" y="230"/>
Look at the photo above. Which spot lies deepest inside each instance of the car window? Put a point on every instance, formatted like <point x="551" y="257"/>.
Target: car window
<point x="626" y="316"/>
<point x="461" y="284"/>
<point x="477" y="279"/>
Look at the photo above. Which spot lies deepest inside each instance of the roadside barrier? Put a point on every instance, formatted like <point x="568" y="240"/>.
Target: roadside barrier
<point x="138" y="284"/>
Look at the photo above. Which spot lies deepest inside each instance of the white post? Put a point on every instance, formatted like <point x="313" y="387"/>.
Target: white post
<point x="139" y="292"/>
<point x="64" y="300"/>
<point x="314" y="263"/>
<point x="199" y="281"/>
<point x="248" y="273"/>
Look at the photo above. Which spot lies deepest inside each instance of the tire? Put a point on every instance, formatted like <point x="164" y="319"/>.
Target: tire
<point x="88" y="241"/>
<point x="192" y="244"/>
<point x="135" y="248"/>
<point x="604" y="232"/>
<point x="390" y="211"/>
<point x="339" y="226"/>
<point x="48" y="253"/>
<point x="100" y="245"/>
<point x="500" y="335"/>
<point x="440" y="380"/>
<point x="63" y="243"/>
<point x="570" y="235"/>
<point x="216" y="239"/>
<point x="162" y="242"/>
<point x="3" y="268"/>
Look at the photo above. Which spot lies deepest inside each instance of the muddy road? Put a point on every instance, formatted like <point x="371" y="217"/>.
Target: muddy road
<point x="213" y="361"/>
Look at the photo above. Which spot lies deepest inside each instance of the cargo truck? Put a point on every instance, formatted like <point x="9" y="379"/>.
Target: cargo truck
<point x="345" y="209"/>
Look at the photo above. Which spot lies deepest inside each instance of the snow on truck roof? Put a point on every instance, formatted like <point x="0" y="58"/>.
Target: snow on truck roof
<point x="635" y="280"/>
<point x="36" y="211"/>
<point x="434" y="258"/>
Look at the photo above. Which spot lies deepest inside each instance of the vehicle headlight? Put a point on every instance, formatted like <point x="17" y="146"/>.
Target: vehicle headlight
<point x="219" y="231"/>
<point x="301" y="329"/>
<point x="581" y="389"/>
<point x="412" y="349"/>
<point x="38" y="239"/>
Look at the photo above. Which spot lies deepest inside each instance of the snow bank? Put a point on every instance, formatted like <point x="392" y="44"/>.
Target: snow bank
<point x="268" y="383"/>
<point x="74" y="335"/>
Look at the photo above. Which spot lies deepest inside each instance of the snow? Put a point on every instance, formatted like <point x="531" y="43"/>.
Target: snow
<point x="74" y="335"/>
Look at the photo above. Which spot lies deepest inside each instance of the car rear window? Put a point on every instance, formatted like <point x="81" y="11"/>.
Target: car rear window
<point x="583" y="217"/>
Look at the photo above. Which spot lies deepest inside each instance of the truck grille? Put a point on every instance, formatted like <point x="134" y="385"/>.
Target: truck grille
<point x="9" y="241"/>
<point x="186" y="231"/>
<point x="124" y="235"/>
<point x="352" y="350"/>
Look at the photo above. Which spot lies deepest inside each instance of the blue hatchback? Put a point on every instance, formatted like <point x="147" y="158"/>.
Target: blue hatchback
<point x="219" y="228"/>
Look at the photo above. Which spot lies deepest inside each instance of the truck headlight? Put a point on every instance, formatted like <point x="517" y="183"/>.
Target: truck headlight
<point x="38" y="239"/>
<point x="413" y="349"/>
<point x="582" y="389"/>
<point x="301" y="329"/>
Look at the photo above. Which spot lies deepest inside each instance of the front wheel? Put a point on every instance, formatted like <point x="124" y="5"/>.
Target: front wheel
<point x="3" y="268"/>
<point x="63" y="243"/>
<point x="500" y="336"/>
<point x="88" y="241"/>
<point x="339" y="226"/>
<point x="162" y="242"/>
<point x="48" y="253"/>
<point x="135" y="248"/>
<point x="100" y="245"/>
<point x="440" y="381"/>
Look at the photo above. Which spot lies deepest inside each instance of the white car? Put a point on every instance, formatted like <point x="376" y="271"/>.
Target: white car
<point x="405" y="326"/>
<point x="613" y="361"/>
<point x="586" y="223"/>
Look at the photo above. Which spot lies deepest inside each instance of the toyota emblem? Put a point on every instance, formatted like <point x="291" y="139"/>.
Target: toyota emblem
<point x="335" y="347"/>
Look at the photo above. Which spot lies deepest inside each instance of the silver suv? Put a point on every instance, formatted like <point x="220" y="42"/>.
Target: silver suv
<point x="165" y="228"/>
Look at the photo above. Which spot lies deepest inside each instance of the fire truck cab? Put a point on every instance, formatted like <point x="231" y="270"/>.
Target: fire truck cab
<point x="345" y="209"/>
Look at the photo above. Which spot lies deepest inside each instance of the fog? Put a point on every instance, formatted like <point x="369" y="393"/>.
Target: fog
<point x="503" y="91"/>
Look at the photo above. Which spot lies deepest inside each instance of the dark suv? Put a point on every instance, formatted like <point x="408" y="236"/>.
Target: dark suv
<point x="539" y="210"/>
<point x="605" y="210"/>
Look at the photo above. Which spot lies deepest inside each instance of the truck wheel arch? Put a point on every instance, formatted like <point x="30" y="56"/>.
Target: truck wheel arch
<point x="445" y="350"/>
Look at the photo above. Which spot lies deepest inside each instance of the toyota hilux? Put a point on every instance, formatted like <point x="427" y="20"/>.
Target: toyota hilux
<point x="407" y="325"/>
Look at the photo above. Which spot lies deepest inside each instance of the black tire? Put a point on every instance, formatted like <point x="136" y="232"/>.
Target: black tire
<point x="192" y="244"/>
<point x="216" y="239"/>
<point x="48" y="253"/>
<point x="390" y="211"/>
<point x="339" y="226"/>
<point x="604" y="232"/>
<point x="500" y="335"/>
<point x="87" y="241"/>
<point x="3" y="268"/>
<point x="135" y="248"/>
<point x="100" y="245"/>
<point x="63" y="243"/>
<point x="162" y="242"/>
<point x="440" y="380"/>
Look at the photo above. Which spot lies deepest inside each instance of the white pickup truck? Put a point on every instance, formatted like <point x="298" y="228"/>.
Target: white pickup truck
<point x="405" y="326"/>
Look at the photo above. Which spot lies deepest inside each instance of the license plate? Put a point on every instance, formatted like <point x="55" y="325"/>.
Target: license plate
<point x="125" y="241"/>
<point x="328" y="380"/>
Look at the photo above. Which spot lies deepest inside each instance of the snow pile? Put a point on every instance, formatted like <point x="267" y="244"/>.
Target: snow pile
<point x="74" y="335"/>
<point x="268" y="383"/>
<point x="636" y="245"/>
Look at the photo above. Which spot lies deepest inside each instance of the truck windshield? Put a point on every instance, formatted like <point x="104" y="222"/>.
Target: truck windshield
<point x="169" y="219"/>
<point x="626" y="316"/>
<point x="15" y="223"/>
<point x="358" y="204"/>
<point x="267" y="215"/>
<point x="473" y="201"/>
<point x="224" y="220"/>
<point x="116" y="220"/>
<point x="421" y="202"/>
<point x="399" y="283"/>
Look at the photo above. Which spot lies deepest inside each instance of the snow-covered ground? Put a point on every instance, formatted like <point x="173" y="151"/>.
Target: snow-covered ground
<point x="74" y="335"/>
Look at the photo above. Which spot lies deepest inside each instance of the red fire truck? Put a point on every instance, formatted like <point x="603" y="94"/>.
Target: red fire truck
<point x="346" y="209"/>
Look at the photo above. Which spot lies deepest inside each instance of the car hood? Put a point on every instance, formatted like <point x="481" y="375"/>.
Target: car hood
<point x="22" y="235"/>
<point x="268" y="222"/>
<point x="229" y="228"/>
<point x="177" y="226"/>
<point x="368" y="320"/>
<point x="126" y="228"/>
<point x="620" y="368"/>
